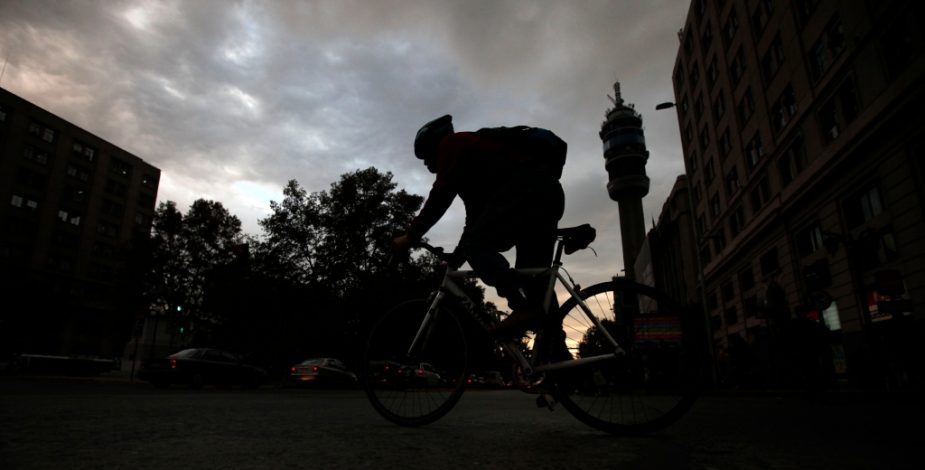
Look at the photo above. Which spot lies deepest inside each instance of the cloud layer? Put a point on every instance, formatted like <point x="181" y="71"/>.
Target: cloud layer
<point x="232" y="99"/>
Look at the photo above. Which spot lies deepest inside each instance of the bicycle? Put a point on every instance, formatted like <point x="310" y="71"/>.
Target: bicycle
<point x="618" y="356"/>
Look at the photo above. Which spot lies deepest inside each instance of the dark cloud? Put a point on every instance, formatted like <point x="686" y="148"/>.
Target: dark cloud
<point x="231" y="99"/>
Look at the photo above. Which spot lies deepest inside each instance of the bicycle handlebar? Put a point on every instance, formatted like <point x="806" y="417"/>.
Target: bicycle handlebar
<point x="453" y="259"/>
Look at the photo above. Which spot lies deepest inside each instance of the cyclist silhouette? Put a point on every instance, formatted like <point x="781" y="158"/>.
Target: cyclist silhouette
<point x="512" y="198"/>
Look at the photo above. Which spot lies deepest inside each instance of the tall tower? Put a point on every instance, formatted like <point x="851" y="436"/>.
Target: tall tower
<point x="625" y="158"/>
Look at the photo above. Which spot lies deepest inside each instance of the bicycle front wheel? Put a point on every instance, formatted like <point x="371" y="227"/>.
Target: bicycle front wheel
<point x="646" y="386"/>
<point x="415" y="364"/>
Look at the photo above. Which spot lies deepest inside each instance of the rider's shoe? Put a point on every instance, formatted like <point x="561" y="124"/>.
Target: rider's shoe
<point x="517" y="323"/>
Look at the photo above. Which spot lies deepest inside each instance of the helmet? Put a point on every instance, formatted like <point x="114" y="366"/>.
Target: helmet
<point x="425" y="142"/>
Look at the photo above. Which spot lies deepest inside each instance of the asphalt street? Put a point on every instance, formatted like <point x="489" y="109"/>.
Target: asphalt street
<point x="47" y="424"/>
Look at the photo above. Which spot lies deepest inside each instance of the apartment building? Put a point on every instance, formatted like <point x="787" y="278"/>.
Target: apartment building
<point x="74" y="212"/>
<point x="803" y="137"/>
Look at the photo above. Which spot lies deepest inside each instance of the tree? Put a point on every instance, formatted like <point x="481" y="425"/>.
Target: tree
<point x="338" y="237"/>
<point x="186" y="251"/>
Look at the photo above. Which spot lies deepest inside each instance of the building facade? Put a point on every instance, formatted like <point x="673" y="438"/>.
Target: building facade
<point x="803" y="137"/>
<point x="75" y="211"/>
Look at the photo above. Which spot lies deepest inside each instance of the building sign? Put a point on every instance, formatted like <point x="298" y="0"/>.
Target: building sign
<point x="657" y="329"/>
<point x="885" y="307"/>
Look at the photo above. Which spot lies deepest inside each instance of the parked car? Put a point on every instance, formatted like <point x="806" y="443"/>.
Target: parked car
<point x="421" y="374"/>
<point x="202" y="366"/>
<point x="321" y="371"/>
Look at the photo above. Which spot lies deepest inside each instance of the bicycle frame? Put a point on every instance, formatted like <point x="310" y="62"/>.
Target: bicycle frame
<point x="450" y="287"/>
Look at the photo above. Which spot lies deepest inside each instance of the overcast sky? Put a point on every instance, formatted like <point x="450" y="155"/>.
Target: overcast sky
<point x="230" y="99"/>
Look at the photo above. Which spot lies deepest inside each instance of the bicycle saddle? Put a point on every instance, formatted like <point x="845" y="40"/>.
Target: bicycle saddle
<point x="576" y="238"/>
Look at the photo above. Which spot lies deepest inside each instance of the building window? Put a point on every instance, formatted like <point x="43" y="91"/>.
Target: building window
<point x="736" y="222"/>
<point x="770" y="263"/>
<point x="704" y="138"/>
<point x="685" y="105"/>
<point x="32" y="179"/>
<point x="809" y="240"/>
<point x="746" y="107"/>
<point x="115" y="188"/>
<point x="146" y="200"/>
<point x="695" y="74"/>
<point x="737" y="67"/>
<point x="877" y="248"/>
<point x="827" y="48"/>
<point x="760" y="195"/>
<point x="149" y="180"/>
<point x="783" y="109"/>
<point x="42" y="131"/>
<point x="709" y="171"/>
<point x="902" y="43"/>
<point x="112" y="208"/>
<point x="706" y="39"/>
<point x="120" y="168"/>
<point x="818" y="275"/>
<point x="698" y="104"/>
<point x="732" y="182"/>
<point x="712" y="72"/>
<point x="719" y="240"/>
<point x="2" y="113"/>
<point x="705" y="255"/>
<point x="840" y="111"/>
<point x="83" y="151"/>
<point x="761" y="16"/>
<point x="728" y="292"/>
<point x="731" y="315"/>
<point x="679" y="76"/>
<point x="712" y="301"/>
<point x="719" y="107"/>
<point x="746" y="279"/>
<point x="773" y="58"/>
<point x="692" y="163"/>
<point x="792" y="161"/>
<point x="753" y="151"/>
<point x="863" y="206"/>
<point x="32" y="154"/>
<point x="20" y="201"/>
<point x="78" y="173"/>
<point x="107" y="229"/>
<point x="725" y="144"/>
<point x="731" y="26"/>
<point x="688" y="41"/>
<point x="805" y="10"/>
<point x="688" y="134"/>
<point x="715" y="205"/>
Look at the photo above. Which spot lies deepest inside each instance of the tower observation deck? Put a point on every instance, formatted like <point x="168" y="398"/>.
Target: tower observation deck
<point x="625" y="158"/>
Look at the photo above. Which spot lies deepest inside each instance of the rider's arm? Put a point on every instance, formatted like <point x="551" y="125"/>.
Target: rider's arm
<point x="449" y="160"/>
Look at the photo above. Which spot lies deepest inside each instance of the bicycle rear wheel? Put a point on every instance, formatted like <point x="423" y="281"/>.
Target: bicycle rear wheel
<point x="650" y="386"/>
<point x="415" y="385"/>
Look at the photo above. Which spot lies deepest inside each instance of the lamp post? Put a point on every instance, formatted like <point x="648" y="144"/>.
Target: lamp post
<point x="698" y="239"/>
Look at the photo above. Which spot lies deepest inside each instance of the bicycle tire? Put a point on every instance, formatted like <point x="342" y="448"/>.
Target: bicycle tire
<point x="650" y="387"/>
<point x="415" y="389"/>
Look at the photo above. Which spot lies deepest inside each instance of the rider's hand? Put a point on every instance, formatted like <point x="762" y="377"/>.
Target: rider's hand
<point x="401" y="243"/>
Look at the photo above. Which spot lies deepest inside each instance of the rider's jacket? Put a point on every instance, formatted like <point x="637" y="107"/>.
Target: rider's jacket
<point x="470" y="166"/>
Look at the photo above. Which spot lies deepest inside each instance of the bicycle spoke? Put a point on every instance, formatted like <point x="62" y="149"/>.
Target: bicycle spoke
<point x="644" y="388"/>
<point x="415" y="385"/>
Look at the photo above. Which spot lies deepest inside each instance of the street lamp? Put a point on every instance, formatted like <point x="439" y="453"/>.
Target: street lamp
<point x="699" y="240"/>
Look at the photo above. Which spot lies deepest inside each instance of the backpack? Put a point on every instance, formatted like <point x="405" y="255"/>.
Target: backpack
<point x="539" y="145"/>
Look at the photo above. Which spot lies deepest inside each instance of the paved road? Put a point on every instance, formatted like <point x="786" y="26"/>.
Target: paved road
<point x="62" y="424"/>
